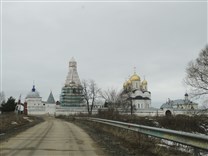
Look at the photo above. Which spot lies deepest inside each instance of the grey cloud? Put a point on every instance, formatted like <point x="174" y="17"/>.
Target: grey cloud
<point x="106" y="39"/>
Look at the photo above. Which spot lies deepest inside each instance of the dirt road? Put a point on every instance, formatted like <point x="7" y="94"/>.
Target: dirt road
<point x="52" y="137"/>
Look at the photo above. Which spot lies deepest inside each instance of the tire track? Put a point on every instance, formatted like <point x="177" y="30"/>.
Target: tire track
<point x="25" y="145"/>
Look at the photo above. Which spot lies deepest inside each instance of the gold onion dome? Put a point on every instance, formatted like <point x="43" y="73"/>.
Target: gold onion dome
<point x="128" y="82"/>
<point x="135" y="77"/>
<point x="144" y="82"/>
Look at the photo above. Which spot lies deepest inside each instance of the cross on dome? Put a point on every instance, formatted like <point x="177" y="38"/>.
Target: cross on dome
<point x="134" y="70"/>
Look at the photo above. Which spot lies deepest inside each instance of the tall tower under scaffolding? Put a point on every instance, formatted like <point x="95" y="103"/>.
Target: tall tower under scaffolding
<point x="72" y="91"/>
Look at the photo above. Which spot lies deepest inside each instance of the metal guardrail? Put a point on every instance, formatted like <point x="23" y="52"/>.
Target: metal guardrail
<point x="190" y="139"/>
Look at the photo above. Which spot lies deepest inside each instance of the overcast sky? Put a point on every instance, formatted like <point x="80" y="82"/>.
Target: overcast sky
<point x="106" y="39"/>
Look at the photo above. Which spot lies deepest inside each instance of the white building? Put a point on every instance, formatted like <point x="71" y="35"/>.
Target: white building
<point x="137" y="91"/>
<point x="35" y="105"/>
<point x="179" y="106"/>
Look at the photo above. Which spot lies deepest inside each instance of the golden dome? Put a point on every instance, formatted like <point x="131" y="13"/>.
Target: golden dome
<point x="135" y="77"/>
<point x="144" y="82"/>
<point x="129" y="82"/>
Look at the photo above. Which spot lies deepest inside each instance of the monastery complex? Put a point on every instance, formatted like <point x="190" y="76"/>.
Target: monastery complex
<point x="72" y="99"/>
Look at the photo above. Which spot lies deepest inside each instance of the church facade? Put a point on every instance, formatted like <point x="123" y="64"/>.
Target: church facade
<point x="137" y="91"/>
<point x="35" y="106"/>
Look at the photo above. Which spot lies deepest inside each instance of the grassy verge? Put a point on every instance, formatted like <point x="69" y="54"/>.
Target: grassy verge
<point x="121" y="142"/>
<point x="12" y="124"/>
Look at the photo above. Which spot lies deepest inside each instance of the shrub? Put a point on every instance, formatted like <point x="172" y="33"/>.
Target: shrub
<point x="9" y="106"/>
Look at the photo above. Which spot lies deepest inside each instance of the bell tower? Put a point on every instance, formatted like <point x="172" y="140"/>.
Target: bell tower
<point x="71" y="93"/>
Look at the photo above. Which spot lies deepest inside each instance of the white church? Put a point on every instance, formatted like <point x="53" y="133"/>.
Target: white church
<point x="35" y="106"/>
<point x="137" y="91"/>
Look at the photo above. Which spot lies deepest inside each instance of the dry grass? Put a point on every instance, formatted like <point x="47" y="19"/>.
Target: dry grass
<point x="11" y="120"/>
<point x="130" y="143"/>
<point x="11" y="124"/>
<point x="193" y="124"/>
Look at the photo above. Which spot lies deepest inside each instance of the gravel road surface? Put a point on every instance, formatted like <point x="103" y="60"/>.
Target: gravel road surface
<point x="53" y="137"/>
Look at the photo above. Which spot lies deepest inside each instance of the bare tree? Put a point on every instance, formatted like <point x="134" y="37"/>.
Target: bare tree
<point x="112" y="97"/>
<point x="197" y="74"/>
<point x="91" y="93"/>
<point x="127" y="104"/>
<point x="118" y="99"/>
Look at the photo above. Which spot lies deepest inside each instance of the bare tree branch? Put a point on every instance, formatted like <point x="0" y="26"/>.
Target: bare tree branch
<point x="197" y="74"/>
<point x="112" y="97"/>
<point x="91" y="93"/>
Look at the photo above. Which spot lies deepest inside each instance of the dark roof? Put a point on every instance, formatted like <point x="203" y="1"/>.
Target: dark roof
<point x="51" y="98"/>
<point x="142" y="98"/>
<point x="141" y="91"/>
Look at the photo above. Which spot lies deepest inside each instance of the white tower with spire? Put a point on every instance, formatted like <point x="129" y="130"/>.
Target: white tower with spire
<point x="71" y="94"/>
<point x="72" y="77"/>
